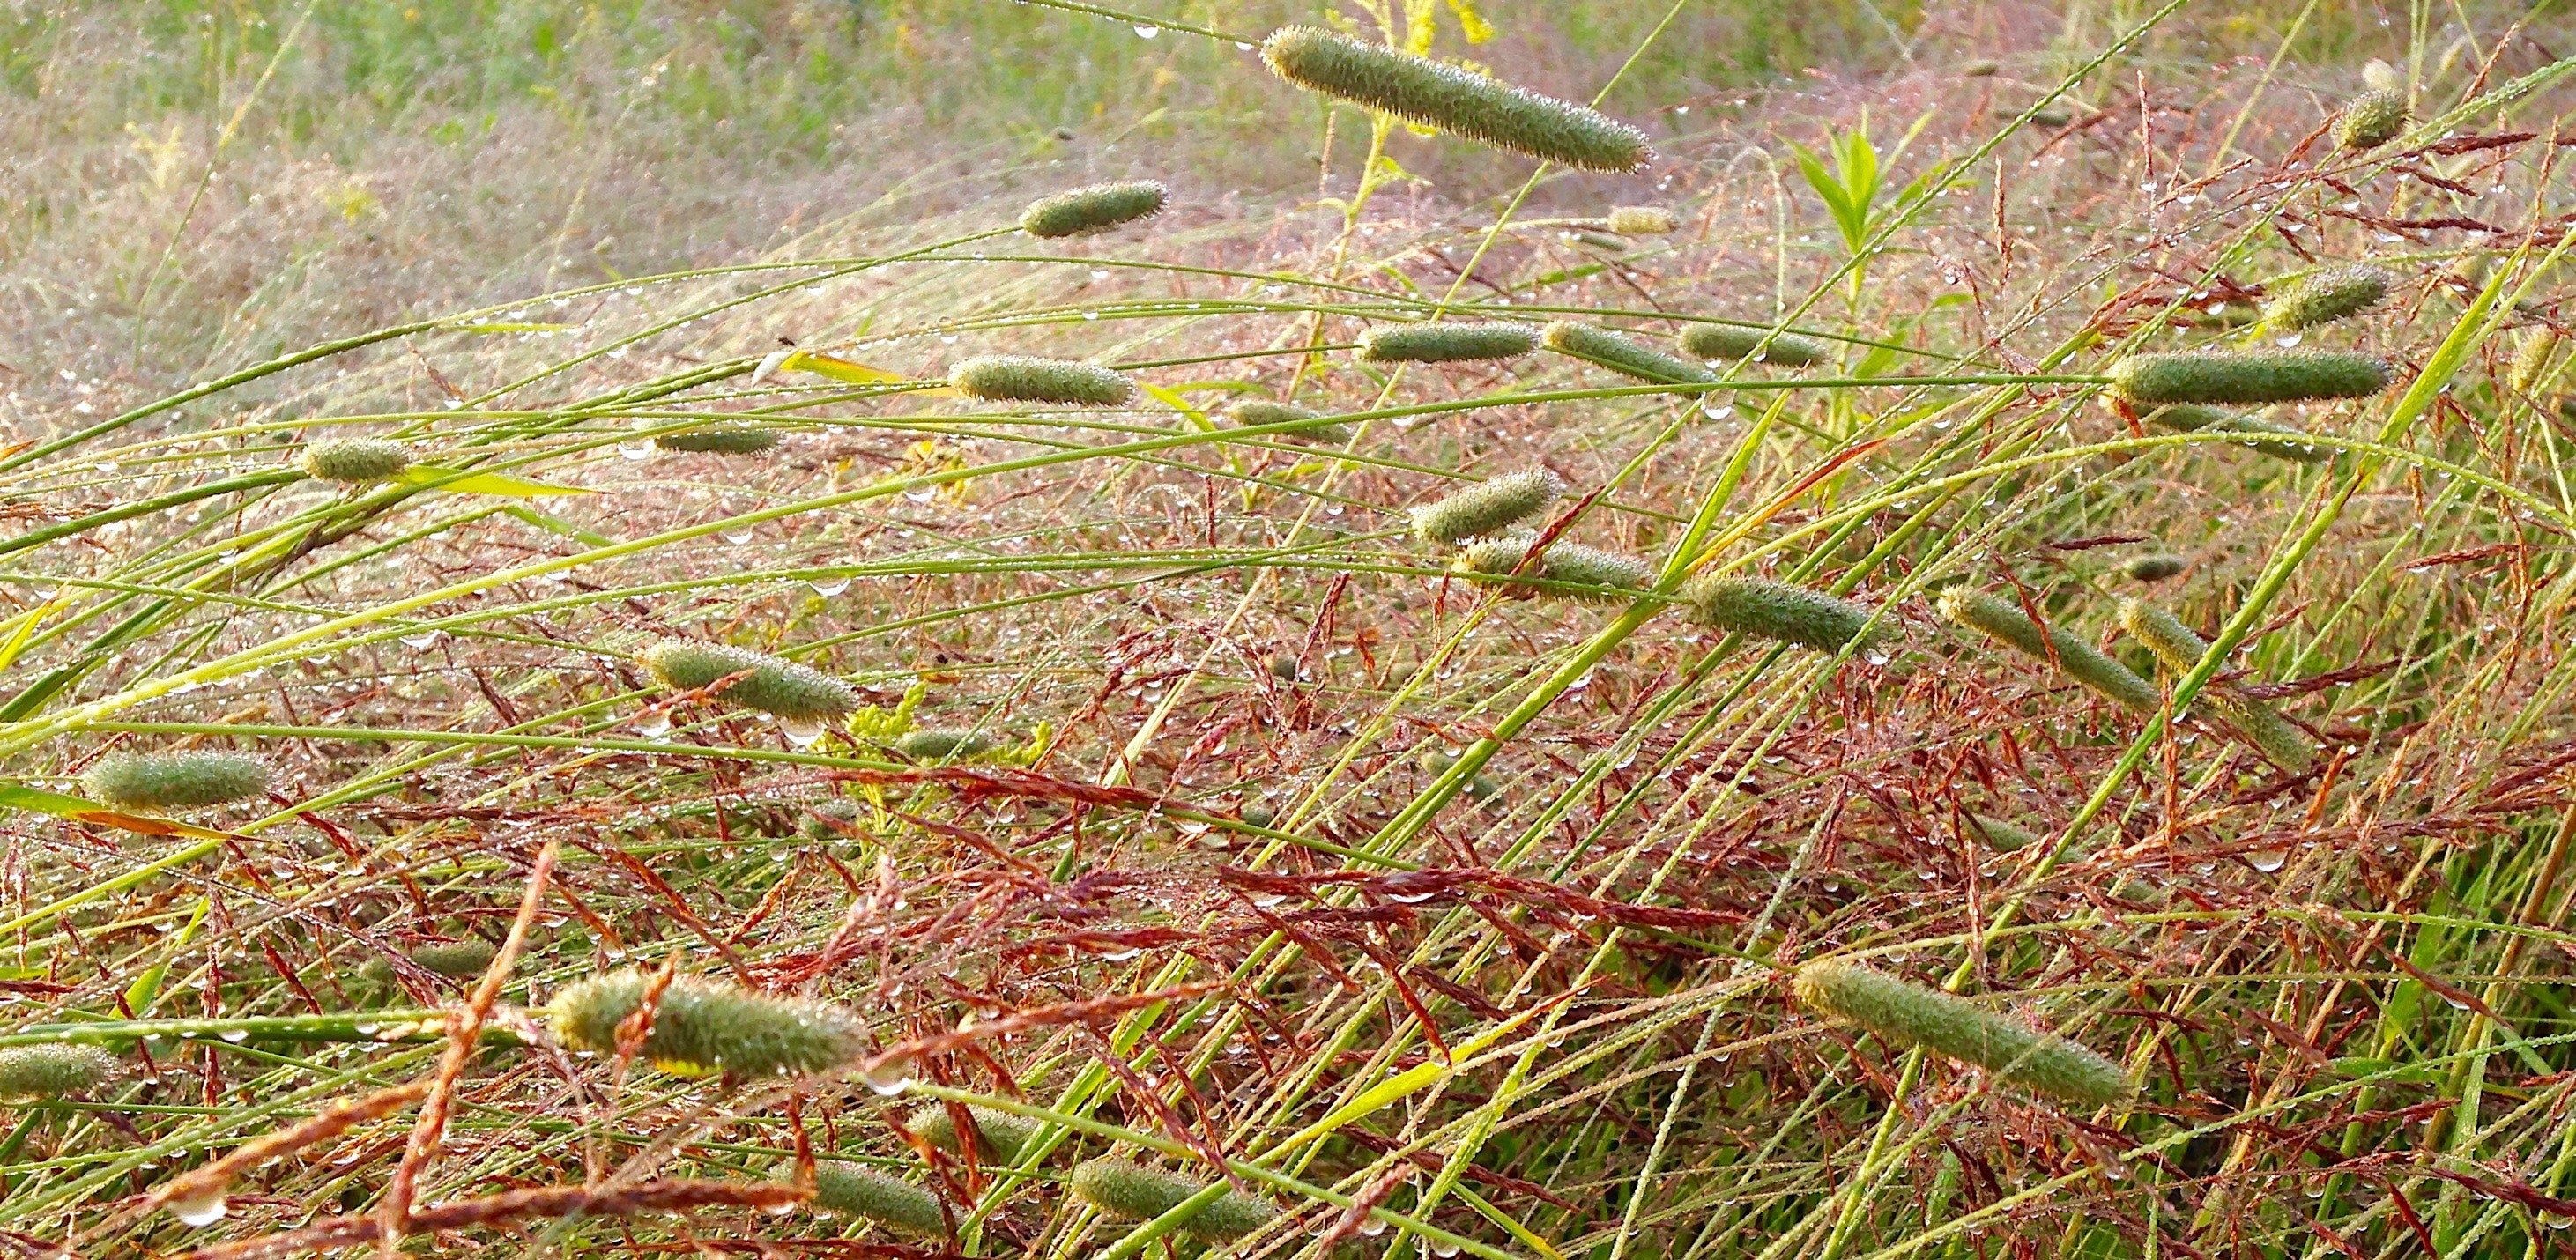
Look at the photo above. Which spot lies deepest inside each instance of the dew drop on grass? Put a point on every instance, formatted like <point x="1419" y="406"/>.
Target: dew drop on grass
<point x="888" y="1079"/>
<point x="1444" y="1250"/>
<point x="2287" y="340"/>
<point x="638" y="449"/>
<point x="2267" y="860"/>
<point x="1147" y="32"/>
<point x="830" y="587"/>
<point x="737" y="537"/>
<point x="653" y="723"/>
<point x="199" y="1212"/>
<point x="235" y="1035"/>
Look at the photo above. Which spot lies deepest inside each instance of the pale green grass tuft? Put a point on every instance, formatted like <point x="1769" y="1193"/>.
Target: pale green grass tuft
<point x="2001" y="620"/>
<point x="1461" y="342"/>
<point x="1912" y="1015"/>
<point x="795" y="692"/>
<point x="1489" y="507"/>
<point x="160" y="782"/>
<point x="1641" y="220"/>
<point x="2154" y="568"/>
<point x="1096" y="208"/>
<point x="1021" y="378"/>
<point x="1133" y="1192"/>
<point x="1763" y="609"/>
<point x="1425" y="92"/>
<point x="2371" y="119"/>
<point x="2248" y="376"/>
<point x="722" y="440"/>
<point x="702" y="1026"/>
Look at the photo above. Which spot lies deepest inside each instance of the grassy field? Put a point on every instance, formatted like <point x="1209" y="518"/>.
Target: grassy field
<point x="1801" y="839"/>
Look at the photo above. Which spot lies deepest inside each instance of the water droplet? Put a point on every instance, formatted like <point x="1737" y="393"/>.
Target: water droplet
<point x="1372" y="1226"/>
<point x="888" y="1079"/>
<point x="197" y="1212"/>
<point x="638" y="449"/>
<point x="653" y="723"/>
<point x="1147" y="32"/>
<point x="830" y="587"/>
<point x="801" y="732"/>
<point x="235" y="1035"/>
<point x="736" y="536"/>
<point x="2286" y="340"/>
<point x="2267" y="860"/>
<point x="1444" y="1250"/>
<point x="1119" y="955"/>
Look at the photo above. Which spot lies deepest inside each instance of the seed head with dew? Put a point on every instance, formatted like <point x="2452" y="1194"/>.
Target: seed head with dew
<point x="355" y="461"/>
<point x="1908" y="1014"/>
<point x="2153" y="568"/>
<point x="2179" y="649"/>
<point x="1258" y="411"/>
<point x="2246" y="377"/>
<point x="780" y="687"/>
<point x="1000" y="1135"/>
<point x="828" y="821"/>
<point x="49" y="1071"/>
<point x="855" y="1190"/>
<point x="1488" y="507"/>
<point x="944" y="745"/>
<point x="1730" y="342"/>
<point x="457" y="960"/>
<point x="1505" y="561"/>
<point x="731" y="439"/>
<point x="1095" y="208"/>
<point x="704" y="1026"/>
<point x="1130" y="1191"/>
<point x="2280" y="441"/>
<point x="2003" y="621"/>
<point x="2002" y="836"/>
<point x="2326" y="295"/>
<point x="2371" y="119"/>
<point x="143" y="782"/>
<point x="1463" y="341"/>
<point x="1764" y="609"/>
<point x="1641" y="220"/>
<point x="1024" y="379"/>
<point x="1604" y="348"/>
<point x="2535" y="352"/>
<point x="1446" y="98"/>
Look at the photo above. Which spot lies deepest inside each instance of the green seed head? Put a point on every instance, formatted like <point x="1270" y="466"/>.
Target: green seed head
<point x="1425" y="92"/>
<point x="723" y="440"/>
<point x="2155" y="568"/>
<point x="1604" y="348"/>
<point x="1729" y="343"/>
<point x="1765" y="609"/>
<point x="1096" y="208"/>
<point x="1261" y="411"/>
<point x="355" y="461"/>
<point x="1494" y="560"/>
<point x="1642" y="220"/>
<point x="1133" y="1192"/>
<point x="1602" y="240"/>
<point x="1912" y="1015"/>
<point x="2371" y="119"/>
<point x="1981" y="68"/>
<point x="459" y="960"/>
<point x="158" y="782"/>
<point x="944" y="745"/>
<point x="2326" y="295"/>
<point x="1447" y="342"/>
<point x="2002" y="836"/>
<point x="2279" y="441"/>
<point x="2179" y="649"/>
<point x="2248" y="376"/>
<point x="874" y="1196"/>
<point x="1021" y="378"/>
<point x="1000" y="1136"/>
<point x="53" y="1071"/>
<point x="2533" y="353"/>
<point x="703" y="1026"/>
<point x="1489" y="507"/>
<point x="814" y="827"/>
<point x="789" y="690"/>
<point x="2002" y="620"/>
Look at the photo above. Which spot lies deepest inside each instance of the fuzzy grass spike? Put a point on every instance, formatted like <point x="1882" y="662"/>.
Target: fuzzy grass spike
<point x="1912" y="1015"/>
<point x="1764" y="609"/>
<point x="1133" y="1192"/>
<point x="1728" y="343"/>
<point x="160" y="782"/>
<point x="2245" y="377"/>
<point x="1000" y="1136"/>
<point x="2280" y="441"/>
<point x="1495" y="560"/>
<point x="704" y="1026"/>
<point x="1489" y="507"/>
<point x="1026" y="379"/>
<point x="798" y="693"/>
<point x="2155" y="568"/>
<point x="53" y="1071"/>
<point x="1641" y="220"/>
<point x="1425" y="92"/>
<point x="2179" y="649"/>
<point x="869" y="1195"/>
<point x="1604" y="348"/>
<point x="1448" y="342"/>
<point x="2000" y="619"/>
<point x="1262" y="411"/>
<point x="2326" y="295"/>
<point x="457" y="960"/>
<point x="1094" y="208"/>
<point x="723" y="440"/>
<point x="944" y="745"/>
<point x="2371" y="119"/>
<point x="355" y="461"/>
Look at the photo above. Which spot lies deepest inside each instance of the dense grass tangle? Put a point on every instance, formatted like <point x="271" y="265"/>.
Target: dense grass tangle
<point x="2179" y="649"/>
<point x="1425" y="92"/>
<point x="2003" y="621"/>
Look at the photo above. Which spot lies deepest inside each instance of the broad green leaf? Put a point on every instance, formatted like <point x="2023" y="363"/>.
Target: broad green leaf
<point x="461" y="482"/>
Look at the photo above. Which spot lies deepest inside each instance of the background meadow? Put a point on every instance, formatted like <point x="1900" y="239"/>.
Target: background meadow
<point x="1189" y="807"/>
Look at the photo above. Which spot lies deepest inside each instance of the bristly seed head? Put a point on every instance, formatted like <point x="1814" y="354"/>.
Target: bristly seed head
<point x="1728" y="342"/>
<point x="1256" y="411"/>
<point x="54" y="1071"/>
<point x="1022" y="378"/>
<point x="2248" y="376"/>
<point x="1604" y="348"/>
<point x="1133" y="1192"/>
<point x="2000" y="619"/>
<point x="1447" y="342"/>
<point x="705" y="1026"/>
<point x="1000" y="1136"/>
<point x="722" y="440"/>
<point x="355" y="461"/>
<point x="2371" y="119"/>
<point x="2154" y="568"/>
<point x="781" y="687"/>
<point x="2280" y="441"/>
<point x="159" y="782"/>
<point x="1489" y="507"/>
<point x="1096" y="208"/>
<point x="1641" y="220"/>
<point x="1764" y="609"/>
<point x="1914" y="1015"/>
<point x="2326" y="295"/>
<point x="2179" y="649"/>
<point x="944" y="745"/>
<point x="869" y="1195"/>
<point x="1496" y="560"/>
<point x="1422" y="91"/>
<point x="457" y="960"/>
